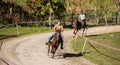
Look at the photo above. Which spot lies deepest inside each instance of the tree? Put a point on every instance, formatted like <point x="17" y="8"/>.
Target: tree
<point x="117" y="3"/>
<point x="43" y="7"/>
<point x="106" y="8"/>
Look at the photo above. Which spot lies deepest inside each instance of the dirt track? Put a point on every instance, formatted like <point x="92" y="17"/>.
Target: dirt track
<point x="31" y="50"/>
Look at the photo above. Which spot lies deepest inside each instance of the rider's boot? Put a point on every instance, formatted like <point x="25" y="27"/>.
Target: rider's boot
<point x="47" y="42"/>
<point x="61" y="47"/>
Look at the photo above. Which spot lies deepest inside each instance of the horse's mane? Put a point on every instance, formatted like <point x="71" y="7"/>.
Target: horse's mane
<point x="56" y="37"/>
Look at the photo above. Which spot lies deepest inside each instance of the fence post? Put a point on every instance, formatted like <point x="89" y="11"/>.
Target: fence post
<point x="84" y="45"/>
<point x="17" y="28"/>
<point x="116" y="14"/>
<point x="118" y="17"/>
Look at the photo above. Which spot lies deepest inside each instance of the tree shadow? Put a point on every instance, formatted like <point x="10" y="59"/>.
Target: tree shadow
<point x="103" y="53"/>
<point x="74" y="55"/>
<point x="91" y="35"/>
<point x="6" y="36"/>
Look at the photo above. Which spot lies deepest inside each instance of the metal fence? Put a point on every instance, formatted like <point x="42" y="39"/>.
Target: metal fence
<point x="66" y="20"/>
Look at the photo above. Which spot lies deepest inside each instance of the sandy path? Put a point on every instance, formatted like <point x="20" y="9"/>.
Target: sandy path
<point x="31" y="50"/>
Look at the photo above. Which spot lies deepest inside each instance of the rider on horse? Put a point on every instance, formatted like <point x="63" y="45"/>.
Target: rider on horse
<point x="82" y="18"/>
<point x="79" y="23"/>
<point x="57" y="27"/>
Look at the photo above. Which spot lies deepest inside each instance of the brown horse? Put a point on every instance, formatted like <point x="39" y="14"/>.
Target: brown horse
<point x="54" y="43"/>
<point x="78" y="25"/>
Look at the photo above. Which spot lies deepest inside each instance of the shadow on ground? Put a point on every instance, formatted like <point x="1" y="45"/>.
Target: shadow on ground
<point x="65" y="55"/>
<point x="6" y="36"/>
<point x="112" y="57"/>
<point x="91" y="35"/>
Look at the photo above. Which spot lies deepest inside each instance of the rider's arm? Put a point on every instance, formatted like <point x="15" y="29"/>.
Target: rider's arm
<point x="62" y="29"/>
<point x="54" y="27"/>
<point x="79" y="17"/>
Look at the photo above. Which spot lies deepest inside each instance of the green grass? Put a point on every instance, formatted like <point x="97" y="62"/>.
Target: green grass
<point x="103" y="56"/>
<point x="112" y="39"/>
<point x="12" y="32"/>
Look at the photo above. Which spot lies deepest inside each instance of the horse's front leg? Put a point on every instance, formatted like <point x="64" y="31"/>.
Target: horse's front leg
<point x="52" y="49"/>
<point x="56" y="49"/>
<point x="48" y="49"/>
<point x="74" y="31"/>
<point x="53" y="52"/>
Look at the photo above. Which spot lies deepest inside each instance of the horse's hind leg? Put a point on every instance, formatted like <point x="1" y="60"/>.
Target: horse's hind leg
<point x="84" y="31"/>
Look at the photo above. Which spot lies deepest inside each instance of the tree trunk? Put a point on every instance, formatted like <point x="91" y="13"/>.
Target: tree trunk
<point x="50" y="20"/>
<point x="106" y="23"/>
<point x="97" y="19"/>
<point x="10" y="10"/>
<point x="17" y="28"/>
<point x="118" y="17"/>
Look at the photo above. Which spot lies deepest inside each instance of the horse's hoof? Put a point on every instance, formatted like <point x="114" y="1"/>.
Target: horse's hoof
<point x="73" y="32"/>
<point x="73" y="36"/>
<point x="51" y="51"/>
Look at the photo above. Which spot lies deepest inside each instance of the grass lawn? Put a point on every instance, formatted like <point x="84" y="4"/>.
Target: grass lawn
<point x="12" y="32"/>
<point x="112" y="39"/>
<point x="103" y="56"/>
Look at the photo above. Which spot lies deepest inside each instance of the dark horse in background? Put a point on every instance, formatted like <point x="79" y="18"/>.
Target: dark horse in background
<point x="53" y="45"/>
<point x="78" y="25"/>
